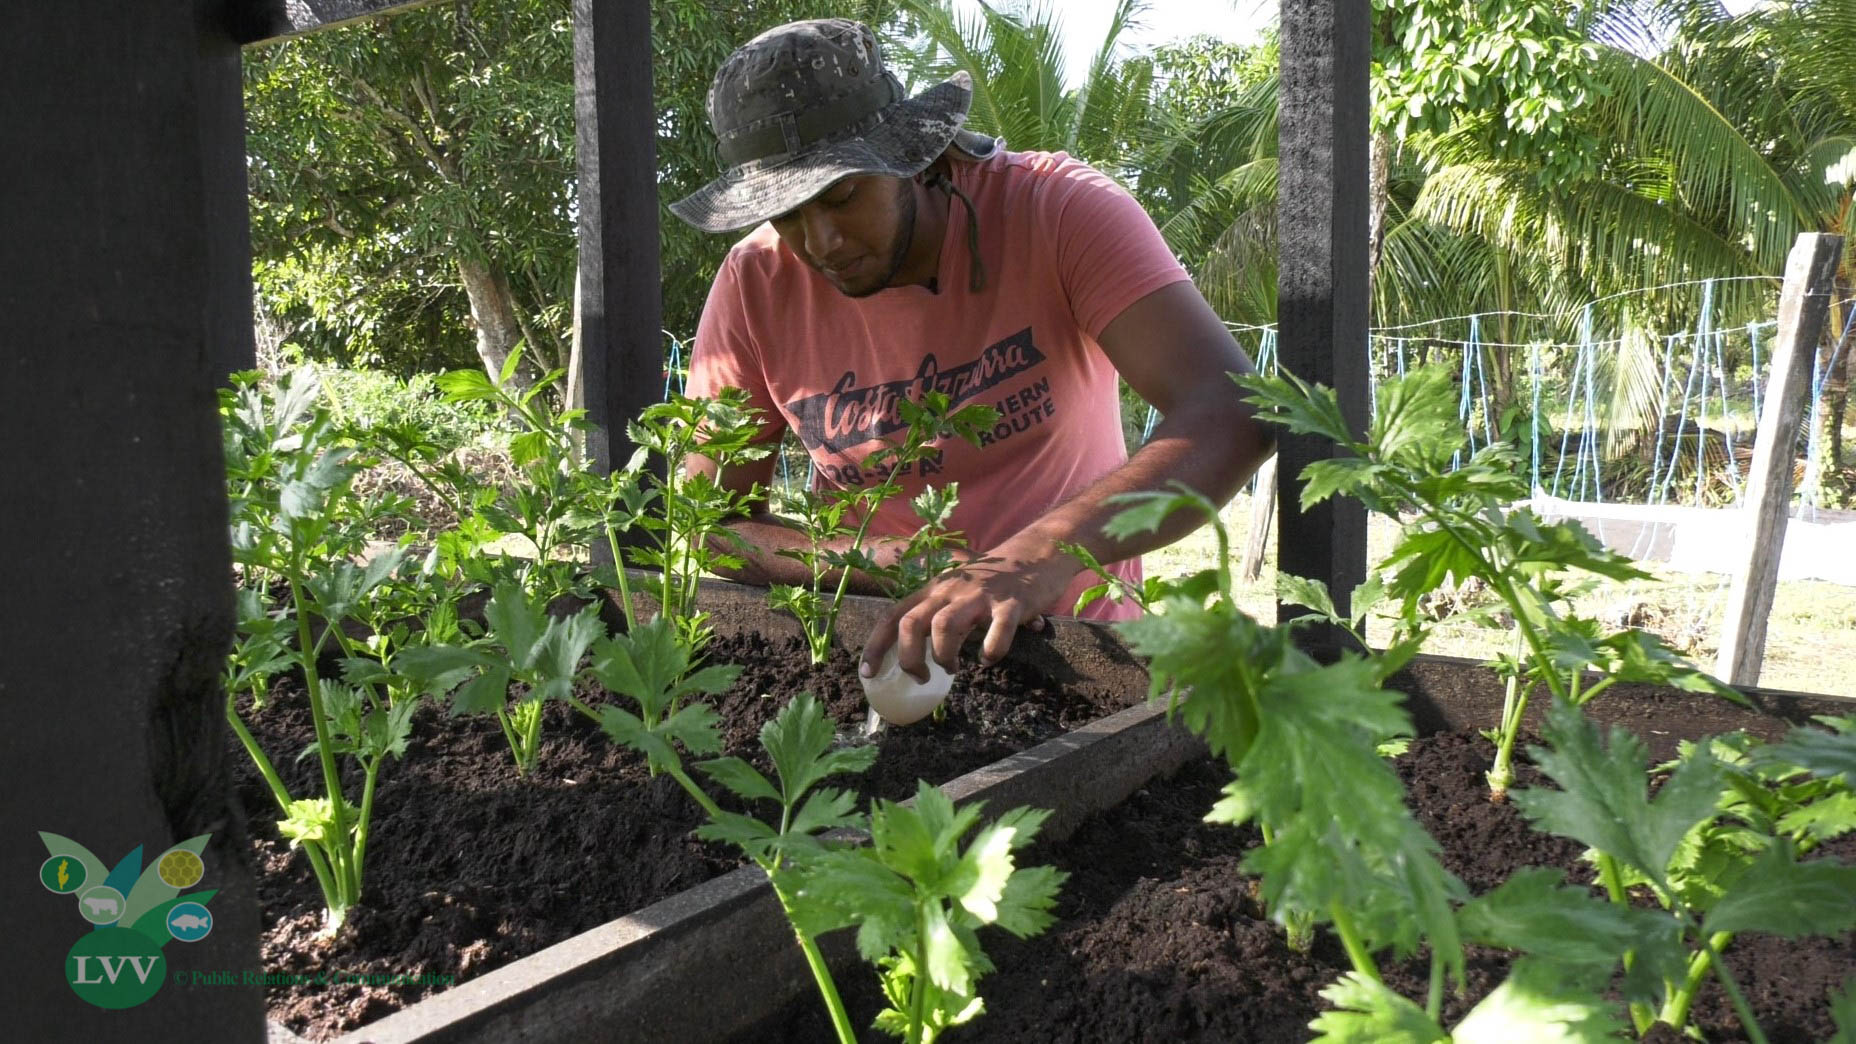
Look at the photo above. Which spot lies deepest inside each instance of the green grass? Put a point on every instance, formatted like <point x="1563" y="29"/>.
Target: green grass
<point x="1810" y="637"/>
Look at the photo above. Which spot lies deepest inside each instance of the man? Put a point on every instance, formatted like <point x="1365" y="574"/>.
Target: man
<point x="895" y="252"/>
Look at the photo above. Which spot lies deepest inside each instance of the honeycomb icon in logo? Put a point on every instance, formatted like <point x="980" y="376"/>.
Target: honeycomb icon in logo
<point x="189" y="922"/>
<point x="181" y="868"/>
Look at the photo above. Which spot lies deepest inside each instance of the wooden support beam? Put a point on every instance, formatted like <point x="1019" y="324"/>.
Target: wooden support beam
<point x="1322" y="282"/>
<point x="125" y="283"/>
<point x="1804" y="303"/>
<point x="621" y="306"/>
<point x="262" y="21"/>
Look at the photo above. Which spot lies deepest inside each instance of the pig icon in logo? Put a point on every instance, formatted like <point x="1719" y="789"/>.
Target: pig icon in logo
<point x="189" y="922"/>
<point x="101" y="905"/>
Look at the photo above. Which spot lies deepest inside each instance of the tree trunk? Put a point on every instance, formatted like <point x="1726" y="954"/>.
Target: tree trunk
<point x="493" y="313"/>
<point x="1376" y="175"/>
<point x="1837" y="386"/>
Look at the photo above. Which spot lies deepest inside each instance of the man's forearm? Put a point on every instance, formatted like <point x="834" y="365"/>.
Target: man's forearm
<point x="1212" y="448"/>
<point x="766" y="534"/>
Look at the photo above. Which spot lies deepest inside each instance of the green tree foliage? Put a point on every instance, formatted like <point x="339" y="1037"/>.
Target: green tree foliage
<point x="412" y="185"/>
<point x="412" y="177"/>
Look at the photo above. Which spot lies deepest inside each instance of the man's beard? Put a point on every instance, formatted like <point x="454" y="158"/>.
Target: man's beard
<point x="905" y="235"/>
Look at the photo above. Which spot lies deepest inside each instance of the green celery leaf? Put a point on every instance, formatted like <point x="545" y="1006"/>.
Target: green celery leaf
<point x="626" y="729"/>
<point x="1604" y="800"/>
<point x="1145" y="512"/>
<point x="1030" y="894"/>
<point x="946" y="957"/>
<point x="557" y="652"/>
<point x="1296" y="590"/>
<point x="1540" y="1004"/>
<point x="1416" y="421"/>
<point x="796" y="739"/>
<point x="1332" y="476"/>
<point x="740" y="778"/>
<point x="1370" y="1013"/>
<point x="696" y="726"/>
<point x="1534" y="912"/>
<point x="1780" y="896"/>
<point x="1832" y="815"/>
<point x="826" y="809"/>
<point x="387" y="730"/>
<point x="1817" y="751"/>
<point x="644" y="664"/>
<point x="1843" y="1011"/>
<point x="1297" y="405"/>
<point x="750" y="835"/>
<point x="513" y="622"/>
<point x="984" y="868"/>
<point x="486" y="692"/>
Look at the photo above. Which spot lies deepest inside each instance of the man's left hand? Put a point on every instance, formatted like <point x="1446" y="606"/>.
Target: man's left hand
<point x="1002" y="590"/>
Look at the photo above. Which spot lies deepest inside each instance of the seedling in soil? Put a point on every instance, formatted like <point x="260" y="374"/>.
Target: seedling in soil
<point x="836" y="523"/>
<point x="1408" y="467"/>
<point x="296" y="521"/>
<point x="919" y="899"/>
<point x="683" y="516"/>
<point x="550" y="474"/>
<point x="521" y="645"/>
<point x="798" y="741"/>
<point x="1718" y="846"/>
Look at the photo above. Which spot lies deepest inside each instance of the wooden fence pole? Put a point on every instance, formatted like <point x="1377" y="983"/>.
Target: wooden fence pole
<point x="1322" y="282"/>
<point x="1803" y="305"/>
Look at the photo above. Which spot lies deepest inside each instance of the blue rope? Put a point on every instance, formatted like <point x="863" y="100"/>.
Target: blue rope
<point x="1662" y="420"/>
<point x="1482" y="391"/>
<point x="1572" y="392"/>
<point x="675" y="369"/>
<point x="1462" y="403"/>
<point x="1588" y="445"/>
<point x="1688" y="390"/>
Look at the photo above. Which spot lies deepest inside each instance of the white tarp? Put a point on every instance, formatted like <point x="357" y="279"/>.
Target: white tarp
<point x="1819" y="544"/>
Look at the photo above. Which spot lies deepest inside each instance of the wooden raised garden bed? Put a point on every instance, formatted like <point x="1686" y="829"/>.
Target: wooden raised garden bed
<point x="1161" y="938"/>
<point x="578" y="899"/>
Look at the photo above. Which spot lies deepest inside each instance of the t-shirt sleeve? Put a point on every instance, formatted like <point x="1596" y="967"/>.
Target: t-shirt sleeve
<point x="726" y="355"/>
<point x="1109" y="254"/>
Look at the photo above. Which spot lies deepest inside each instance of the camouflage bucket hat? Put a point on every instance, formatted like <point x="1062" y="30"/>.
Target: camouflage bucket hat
<point x="805" y="104"/>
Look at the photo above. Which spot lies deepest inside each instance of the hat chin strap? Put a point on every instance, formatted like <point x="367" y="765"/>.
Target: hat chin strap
<point x="976" y="280"/>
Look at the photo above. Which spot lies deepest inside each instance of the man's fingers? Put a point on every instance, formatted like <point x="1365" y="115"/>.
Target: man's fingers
<point x="950" y="629"/>
<point x="912" y="633"/>
<point x="884" y="635"/>
<point x="998" y="641"/>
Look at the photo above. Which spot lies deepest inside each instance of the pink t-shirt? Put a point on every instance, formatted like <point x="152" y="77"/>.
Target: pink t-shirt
<point x="1065" y="251"/>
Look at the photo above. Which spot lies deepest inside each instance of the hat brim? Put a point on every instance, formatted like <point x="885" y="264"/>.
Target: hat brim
<point x="913" y="134"/>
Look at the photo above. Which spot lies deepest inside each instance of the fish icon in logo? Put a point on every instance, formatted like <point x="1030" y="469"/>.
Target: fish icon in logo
<point x="189" y="922"/>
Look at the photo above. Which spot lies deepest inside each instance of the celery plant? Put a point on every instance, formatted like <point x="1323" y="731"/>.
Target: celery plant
<point x="683" y="516"/>
<point x="1465" y="527"/>
<point x="829" y="517"/>
<point x="296" y="520"/>
<point x="918" y="899"/>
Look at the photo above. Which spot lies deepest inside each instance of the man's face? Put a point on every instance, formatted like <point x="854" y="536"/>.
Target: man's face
<point x="855" y="233"/>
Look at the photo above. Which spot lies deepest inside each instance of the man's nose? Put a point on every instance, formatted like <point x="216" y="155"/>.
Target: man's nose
<point x="822" y="235"/>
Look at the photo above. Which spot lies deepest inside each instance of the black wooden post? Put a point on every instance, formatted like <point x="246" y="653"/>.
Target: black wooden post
<point x="1322" y="281"/>
<point x="124" y="280"/>
<point x="621" y="303"/>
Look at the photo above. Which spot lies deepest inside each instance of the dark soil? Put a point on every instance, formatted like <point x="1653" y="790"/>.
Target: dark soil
<point x="470" y="866"/>
<point x="1160" y="938"/>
